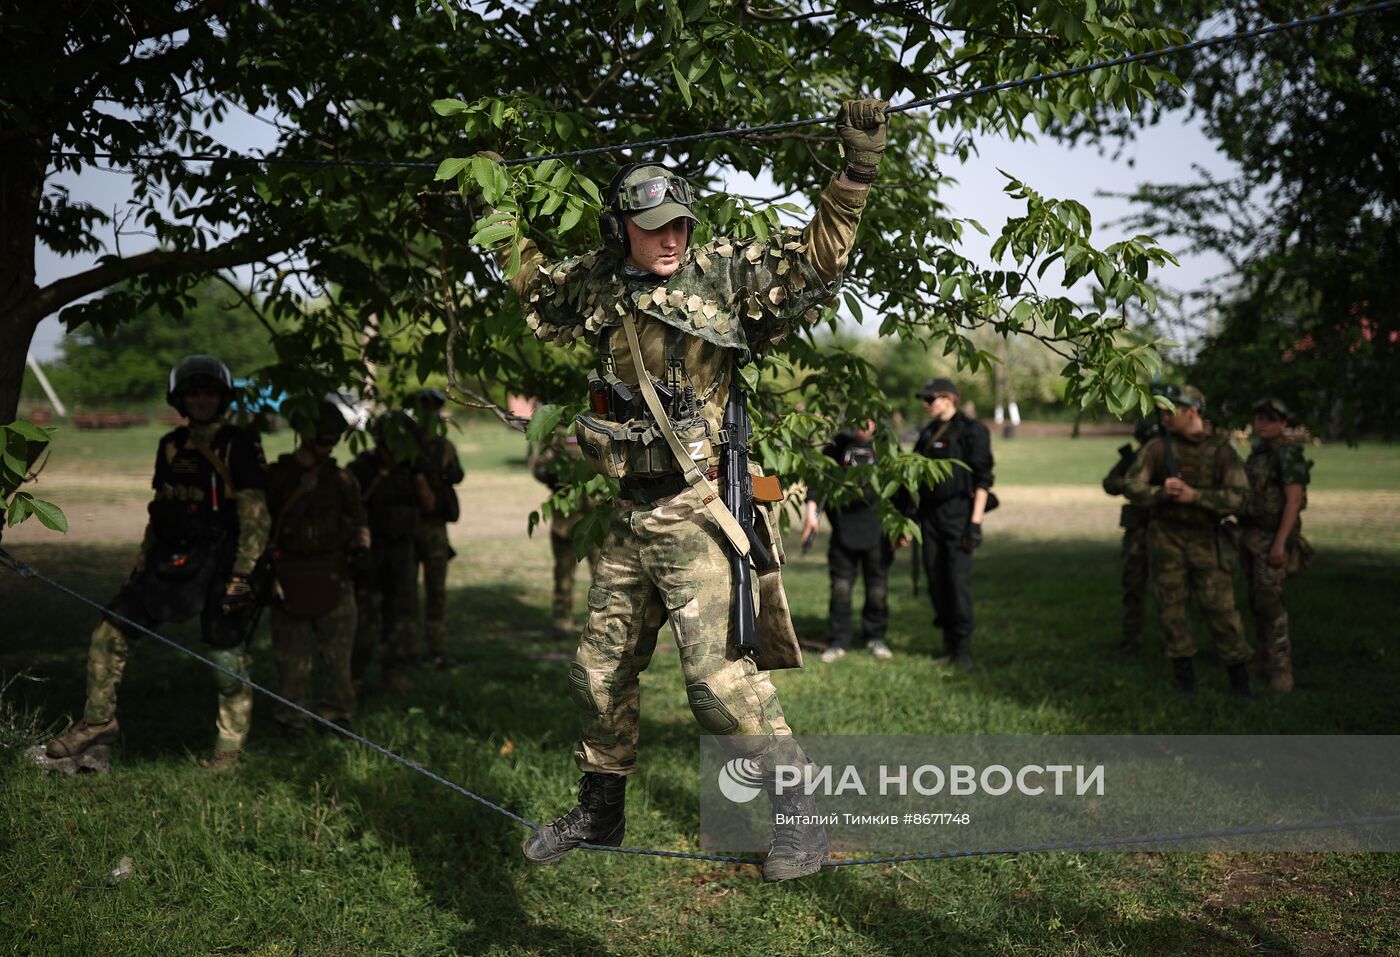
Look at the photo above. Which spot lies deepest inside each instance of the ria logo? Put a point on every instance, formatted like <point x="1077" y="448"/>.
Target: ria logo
<point x="740" y="780"/>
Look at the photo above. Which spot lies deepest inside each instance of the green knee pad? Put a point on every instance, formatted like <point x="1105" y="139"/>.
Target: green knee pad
<point x="233" y="660"/>
<point x="709" y="710"/>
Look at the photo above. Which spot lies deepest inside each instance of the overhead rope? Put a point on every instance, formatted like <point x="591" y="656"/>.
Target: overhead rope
<point x="25" y="570"/>
<point x="738" y="131"/>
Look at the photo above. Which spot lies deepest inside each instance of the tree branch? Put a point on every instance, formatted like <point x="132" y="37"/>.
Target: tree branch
<point x="60" y="293"/>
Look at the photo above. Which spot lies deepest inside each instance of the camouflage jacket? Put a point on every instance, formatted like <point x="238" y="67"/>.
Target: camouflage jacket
<point x="1208" y="464"/>
<point x="1271" y="466"/>
<point x="323" y="519"/>
<point x="389" y="494"/>
<point x="728" y="300"/>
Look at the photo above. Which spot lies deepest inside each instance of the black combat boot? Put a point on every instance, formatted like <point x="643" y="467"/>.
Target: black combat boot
<point x="1239" y="680"/>
<point x="799" y="845"/>
<point x="1185" y="675"/>
<point x="597" y="819"/>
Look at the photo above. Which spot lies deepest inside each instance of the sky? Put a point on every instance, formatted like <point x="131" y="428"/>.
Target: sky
<point x="1163" y="153"/>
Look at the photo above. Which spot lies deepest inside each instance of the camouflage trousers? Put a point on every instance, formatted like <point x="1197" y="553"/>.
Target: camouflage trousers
<point x="434" y="552"/>
<point x="663" y="561"/>
<point x="1266" y="598"/>
<point x="108" y="653"/>
<point x="561" y="543"/>
<point x="1187" y="562"/>
<point x="386" y="601"/>
<point x="296" y="643"/>
<point x="1134" y="585"/>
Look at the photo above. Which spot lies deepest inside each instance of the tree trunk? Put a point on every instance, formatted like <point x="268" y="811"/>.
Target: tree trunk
<point x="15" y="336"/>
<point x="23" y="158"/>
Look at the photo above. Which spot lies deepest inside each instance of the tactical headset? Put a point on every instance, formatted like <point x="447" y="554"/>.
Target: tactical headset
<point x="610" y="225"/>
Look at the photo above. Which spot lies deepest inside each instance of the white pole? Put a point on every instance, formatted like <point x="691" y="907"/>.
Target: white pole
<point x="44" y="383"/>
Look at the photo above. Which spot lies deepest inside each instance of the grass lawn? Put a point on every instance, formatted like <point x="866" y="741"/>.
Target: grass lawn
<point x="326" y="848"/>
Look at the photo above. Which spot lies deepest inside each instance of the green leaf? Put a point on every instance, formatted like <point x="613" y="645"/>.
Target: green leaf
<point x="48" y="514"/>
<point x="682" y="83"/>
<point x="450" y="106"/>
<point x="543" y="422"/>
<point x="571" y="216"/>
<point x="491" y="235"/>
<point x="449" y="168"/>
<point x="30" y="431"/>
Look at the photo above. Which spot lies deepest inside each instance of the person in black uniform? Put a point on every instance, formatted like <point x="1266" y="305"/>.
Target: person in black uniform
<point x="858" y="547"/>
<point x="950" y="514"/>
<point x="208" y="526"/>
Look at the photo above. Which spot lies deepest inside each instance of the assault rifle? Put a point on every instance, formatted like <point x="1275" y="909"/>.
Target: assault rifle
<point x="1169" y="453"/>
<point x="738" y="498"/>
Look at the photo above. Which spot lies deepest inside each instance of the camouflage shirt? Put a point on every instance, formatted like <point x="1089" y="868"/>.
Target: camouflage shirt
<point x="1207" y="463"/>
<point x="325" y="518"/>
<point x="729" y="299"/>
<point x="1271" y="466"/>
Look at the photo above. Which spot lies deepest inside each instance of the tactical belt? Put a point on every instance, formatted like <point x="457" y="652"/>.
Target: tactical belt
<point x="646" y="491"/>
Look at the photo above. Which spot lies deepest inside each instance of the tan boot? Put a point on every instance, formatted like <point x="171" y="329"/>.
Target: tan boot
<point x="220" y="762"/>
<point x="80" y="737"/>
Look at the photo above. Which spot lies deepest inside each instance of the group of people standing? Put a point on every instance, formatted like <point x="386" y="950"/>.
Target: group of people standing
<point x="1194" y="512"/>
<point x="949" y="514"/>
<point x="339" y="547"/>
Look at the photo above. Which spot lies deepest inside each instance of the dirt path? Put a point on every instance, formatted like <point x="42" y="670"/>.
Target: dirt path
<point x="107" y="509"/>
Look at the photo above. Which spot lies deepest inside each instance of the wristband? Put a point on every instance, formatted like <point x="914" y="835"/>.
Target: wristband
<point x="860" y="175"/>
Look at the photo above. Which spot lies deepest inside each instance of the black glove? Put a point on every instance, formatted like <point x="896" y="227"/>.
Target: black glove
<point x="972" y="537"/>
<point x="238" y="595"/>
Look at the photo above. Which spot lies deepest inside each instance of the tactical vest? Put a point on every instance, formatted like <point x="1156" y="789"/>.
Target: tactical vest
<point x="390" y="497"/>
<point x="318" y="521"/>
<point x="620" y="438"/>
<point x="1271" y="466"/>
<point x="1198" y="464"/>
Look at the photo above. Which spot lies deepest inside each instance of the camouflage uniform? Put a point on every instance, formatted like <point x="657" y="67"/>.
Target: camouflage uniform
<point x="1270" y="467"/>
<point x="1189" y="554"/>
<point x="315" y="530"/>
<point x="665" y="556"/>
<point x="546" y="463"/>
<point x="191" y="515"/>
<point x="386" y="591"/>
<point x="430" y="542"/>
<point x="1133" y="520"/>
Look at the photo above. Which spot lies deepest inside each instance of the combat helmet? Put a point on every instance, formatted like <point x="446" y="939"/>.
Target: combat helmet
<point x="329" y="421"/>
<point x="198" y="370"/>
<point x="1181" y="395"/>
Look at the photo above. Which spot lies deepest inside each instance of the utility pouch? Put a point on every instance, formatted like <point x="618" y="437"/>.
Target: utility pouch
<point x="177" y="581"/>
<point x="637" y="449"/>
<point x="312" y="585"/>
<point x="603" y="444"/>
<point x="649" y="454"/>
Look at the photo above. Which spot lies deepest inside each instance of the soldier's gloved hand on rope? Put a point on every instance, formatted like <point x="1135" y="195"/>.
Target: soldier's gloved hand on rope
<point x="972" y="537"/>
<point x="862" y="127"/>
<point x="238" y="594"/>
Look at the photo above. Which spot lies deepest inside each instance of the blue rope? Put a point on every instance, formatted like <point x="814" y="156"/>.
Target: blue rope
<point x="26" y="570"/>
<point x="1039" y="78"/>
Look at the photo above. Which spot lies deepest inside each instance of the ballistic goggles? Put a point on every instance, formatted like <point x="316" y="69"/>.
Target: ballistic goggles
<point x="655" y="197"/>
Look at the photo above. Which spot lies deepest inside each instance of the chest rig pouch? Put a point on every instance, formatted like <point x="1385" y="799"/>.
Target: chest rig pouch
<point x="618" y="436"/>
<point x="187" y="553"/>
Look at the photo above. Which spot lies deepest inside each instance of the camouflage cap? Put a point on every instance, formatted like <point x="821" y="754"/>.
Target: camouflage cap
<point x="1183" y="395"/>
<point x="1274" y="407"/>
<point x="654" y="217"/>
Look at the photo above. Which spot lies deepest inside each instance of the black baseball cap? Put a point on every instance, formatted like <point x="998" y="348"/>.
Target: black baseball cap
<point x="935" y="387"/>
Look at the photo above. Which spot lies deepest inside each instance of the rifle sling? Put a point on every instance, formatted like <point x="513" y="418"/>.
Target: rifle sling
<point x="694" y="477"/>
<point x="304" y="485"/>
